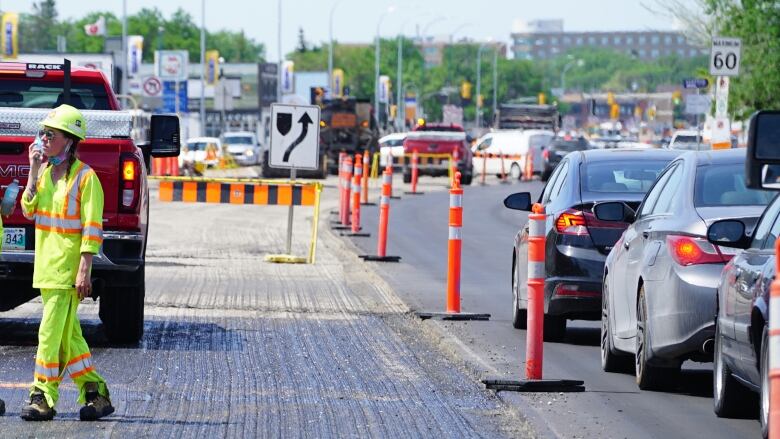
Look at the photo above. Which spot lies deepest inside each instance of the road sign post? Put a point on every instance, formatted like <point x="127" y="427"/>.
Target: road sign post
<point x="295" y="135"/>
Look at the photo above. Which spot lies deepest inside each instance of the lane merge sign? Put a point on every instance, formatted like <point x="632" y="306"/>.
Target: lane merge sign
<point x="695" y="83"/>
<point x="295" y="136"/>
<point x="725" y="56"/>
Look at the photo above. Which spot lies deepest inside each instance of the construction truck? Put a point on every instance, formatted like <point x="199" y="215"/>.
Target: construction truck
<point x="347" y="125"/>
<point x="527" y="117"/>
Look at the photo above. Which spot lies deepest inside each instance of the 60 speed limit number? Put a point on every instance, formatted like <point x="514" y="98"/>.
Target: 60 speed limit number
<point x="725" y="56"/>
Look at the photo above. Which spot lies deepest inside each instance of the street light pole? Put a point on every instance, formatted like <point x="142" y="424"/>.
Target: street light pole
<point x="566" y="68"/>
<point x="202" y="67"/>
<point x="124" y="48"/>
<point x="398" y="105"/>
<point x="376" y="61"/>
<point x="495" y="81"/>
<point x="479" y="84"/>
<point x="420" y="103"/>
<point x="330" y="46"/>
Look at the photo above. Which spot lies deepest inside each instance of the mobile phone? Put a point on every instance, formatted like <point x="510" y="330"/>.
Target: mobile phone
<point x="38" y="144"/>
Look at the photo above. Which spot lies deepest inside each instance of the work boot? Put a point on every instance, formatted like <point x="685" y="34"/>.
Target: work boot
<point x="97" y="404"/>
<point x="2" y="407"/>
<point x="38" y="409"/>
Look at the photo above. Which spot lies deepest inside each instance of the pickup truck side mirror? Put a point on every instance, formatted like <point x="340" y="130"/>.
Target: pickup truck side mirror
<point x="762" y="167"/>
<point x="614" y="211"/>
<point x="165" y="139"/>
<point x="728" y="233"/>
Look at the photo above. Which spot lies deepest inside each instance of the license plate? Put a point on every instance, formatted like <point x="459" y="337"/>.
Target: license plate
<point x="13" y="239"/>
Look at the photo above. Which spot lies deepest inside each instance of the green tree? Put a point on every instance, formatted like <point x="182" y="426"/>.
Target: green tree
<point x="38" y="31"/>
<point x="757" y="23"/>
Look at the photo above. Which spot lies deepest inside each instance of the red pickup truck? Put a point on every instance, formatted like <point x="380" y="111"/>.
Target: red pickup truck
<point x="435" y="140"/>
<point x="27" y="94"/>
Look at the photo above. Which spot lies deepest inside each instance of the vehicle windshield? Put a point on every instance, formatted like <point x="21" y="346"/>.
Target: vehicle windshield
<point x="238" y="140"/>
<point x="38" y="94"/>
<point x="634" y="177"/>
<point x="724" y="185"/>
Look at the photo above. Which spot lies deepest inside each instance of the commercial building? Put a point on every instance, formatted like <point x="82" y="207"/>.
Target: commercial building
<point x="546" y="39"/>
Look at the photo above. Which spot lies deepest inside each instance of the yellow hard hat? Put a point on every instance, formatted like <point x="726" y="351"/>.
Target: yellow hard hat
<point x="68" y="119"/>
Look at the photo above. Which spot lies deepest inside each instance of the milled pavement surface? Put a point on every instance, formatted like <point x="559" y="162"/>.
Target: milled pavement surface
<point x="238" y="347"/>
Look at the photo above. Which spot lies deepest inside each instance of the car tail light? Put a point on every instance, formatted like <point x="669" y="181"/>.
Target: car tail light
<point x="577" y="222"/>
<point x="130" y="184"/>
<point x="566" y="290"/>
<point x="688" y="250"/>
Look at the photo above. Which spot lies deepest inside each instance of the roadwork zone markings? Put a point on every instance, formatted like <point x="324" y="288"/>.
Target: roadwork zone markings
<point x="248" y="191"/>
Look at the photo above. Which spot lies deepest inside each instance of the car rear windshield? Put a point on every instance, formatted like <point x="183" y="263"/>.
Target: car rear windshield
<point x="634" y="176"/>
<point x="36" y="94"/>
<point x="238" y="140"/>
<point x="724" y="185"/>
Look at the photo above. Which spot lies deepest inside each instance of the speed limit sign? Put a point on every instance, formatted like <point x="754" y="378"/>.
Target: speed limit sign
<point x="725" y="56"/>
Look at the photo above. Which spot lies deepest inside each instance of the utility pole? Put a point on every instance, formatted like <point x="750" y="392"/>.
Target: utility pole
<point x="399" y="118"/>
<point x="202" y="67"/>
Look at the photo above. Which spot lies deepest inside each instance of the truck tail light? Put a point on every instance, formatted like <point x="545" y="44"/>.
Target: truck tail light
<point x="130" y="186"/>
<point x="688" y="250"/>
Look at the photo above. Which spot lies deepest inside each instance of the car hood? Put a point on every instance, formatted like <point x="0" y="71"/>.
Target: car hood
<point x="238" y="149"/>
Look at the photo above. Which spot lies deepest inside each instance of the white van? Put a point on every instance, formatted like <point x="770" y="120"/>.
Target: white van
<point x="514" y="146"/>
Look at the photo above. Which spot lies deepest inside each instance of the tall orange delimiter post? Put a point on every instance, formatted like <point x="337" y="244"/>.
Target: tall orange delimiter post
<point x="773" y="341"/>
<point x="534" y="347"/>
<point x="454" y="246"/>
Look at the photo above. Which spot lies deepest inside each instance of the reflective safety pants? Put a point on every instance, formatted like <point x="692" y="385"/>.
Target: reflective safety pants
<point x="62" y="349"/>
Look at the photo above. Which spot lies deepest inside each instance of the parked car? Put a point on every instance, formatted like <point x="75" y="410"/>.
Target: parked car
<point x="243" y="146"/>
<point x="660" y="279"/>
<point x="515" y="146"/>
<point x="199" y="153"/>
<point x="741" y="323"/>
<point x="690" y="140"/>
<point x="577" y="243"/>
<point x="391" y="145"/>
<point x="557" y="149"/>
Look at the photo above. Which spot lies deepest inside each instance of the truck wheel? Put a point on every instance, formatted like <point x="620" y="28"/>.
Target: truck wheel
<point x="122" y="312"/>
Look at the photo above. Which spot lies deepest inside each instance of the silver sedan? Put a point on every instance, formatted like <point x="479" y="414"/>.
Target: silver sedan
<point x="660" y="279"/>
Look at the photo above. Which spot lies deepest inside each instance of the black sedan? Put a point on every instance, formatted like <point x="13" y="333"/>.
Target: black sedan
<point x="740" y="358"/>
<point x="577" y="243"/>
<point x="558" y="148"/>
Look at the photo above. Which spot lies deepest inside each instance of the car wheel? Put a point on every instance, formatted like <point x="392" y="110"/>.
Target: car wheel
<point x="610" y="360"/>
<point x="514" y="171"/>
<point x="728" y="395"/>
<point x="554" y="328"/>
<point x="764" y="414"/>
<point x="648" y="376"/>
<point x="519" y="316"/>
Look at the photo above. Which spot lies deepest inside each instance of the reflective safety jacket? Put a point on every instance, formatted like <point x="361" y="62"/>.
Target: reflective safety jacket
<point x="68" y="221"/>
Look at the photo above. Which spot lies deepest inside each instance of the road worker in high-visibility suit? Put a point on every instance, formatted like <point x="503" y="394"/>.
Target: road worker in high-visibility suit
<point x="66" y="202"/>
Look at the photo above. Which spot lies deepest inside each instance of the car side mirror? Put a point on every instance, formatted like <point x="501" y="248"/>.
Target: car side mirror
<point x="763" y="151"/>
<point x="614" y="211"/>
<point x="728" y="233"/>
<point x="519" y="201"/>
<point x="165" y="140"/>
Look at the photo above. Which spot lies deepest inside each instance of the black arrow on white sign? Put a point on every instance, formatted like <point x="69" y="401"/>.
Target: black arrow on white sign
<point x="305" y="120"/>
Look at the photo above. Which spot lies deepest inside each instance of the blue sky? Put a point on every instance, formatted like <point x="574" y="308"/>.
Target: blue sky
<point x="356" y="20"/>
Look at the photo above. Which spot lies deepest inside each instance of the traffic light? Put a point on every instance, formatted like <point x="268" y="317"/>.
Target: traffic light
<point x="610" y="98"/>
<point x="676" y="97"/>
<point x="542" y="98"/>
<point x="614" y="112"/>
<point x="465" y="91"/>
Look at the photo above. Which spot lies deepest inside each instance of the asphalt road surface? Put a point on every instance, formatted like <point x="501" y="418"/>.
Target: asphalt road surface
<point x="237" y="347"/>
<point x="612" y="406"/>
